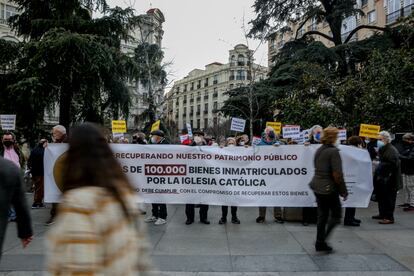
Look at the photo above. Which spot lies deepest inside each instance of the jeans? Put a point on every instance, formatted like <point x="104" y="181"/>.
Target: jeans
<point x="329" y="215"/>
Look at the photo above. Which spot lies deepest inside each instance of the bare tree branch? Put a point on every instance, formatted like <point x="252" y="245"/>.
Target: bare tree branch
<point x="348" y="38"/>
<point x="318" y="33"/>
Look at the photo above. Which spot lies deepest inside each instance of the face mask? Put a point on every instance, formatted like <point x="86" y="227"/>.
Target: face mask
<point x="153" y="140"/>
<point x="380" y="144"/>
<point x="367" y="141"/>
<point x="317" y="136"/>
<point x="8" y="144"/>
<point x="198" y="140"/>
<point x="242" y="143"/>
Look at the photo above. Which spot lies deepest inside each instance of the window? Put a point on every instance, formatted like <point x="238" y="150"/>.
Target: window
<point x="215" y="79"/>
<point x="231" y="75"/>
<point x="206" y="108"/>
<point x="199" y="84"/>
<point x="7" y="11"/>
<point x="185" y="88"/>
<point x="240" y="60"/>
<point x="372" y="16"/>
<point x="191" y="122"/>
<point x="233" y="60"/>
<point x="192" y="86"/>
<point x="215" y="121"/>
<point x="364" y="3"/>
<point x="191" y="110"/>
<point x="231" y="86"/>
<point x="198" y="109"/>
<point x="215" y="106"/>
<point x="241" y="75"/>
<point x="205" y="123"/>
<point x="393" y="10"/>
<point x="206" y="82"/>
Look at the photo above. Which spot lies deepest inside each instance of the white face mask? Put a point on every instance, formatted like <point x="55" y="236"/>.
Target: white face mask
<point x="198" y="140"/>
<point x="242" y="143"/>
<point x="153" y="140"/>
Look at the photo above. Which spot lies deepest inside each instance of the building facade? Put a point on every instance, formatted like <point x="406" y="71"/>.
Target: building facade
<point x="7" y="9"/>
<point x="150" y="31"/>
<point x="197" y="98"/>
<point x="378" y="13"/>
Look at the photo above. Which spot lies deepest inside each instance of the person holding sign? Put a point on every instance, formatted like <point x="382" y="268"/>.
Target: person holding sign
<point x="189" y="208"/>
<point x="269" y="138"/>
<point x="159" y="211"/>
<point x="328" y="185"/>
<point x="387" y="179"/>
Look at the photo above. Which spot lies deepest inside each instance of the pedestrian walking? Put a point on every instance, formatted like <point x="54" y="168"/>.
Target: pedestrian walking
<point x="35" y="165"/>
<point x="159" y="210"/>
<point x="13" y="194"/>
<point x="387" y="179"/>
<point x="98" y="230"/>
<point x="328" y="184"/>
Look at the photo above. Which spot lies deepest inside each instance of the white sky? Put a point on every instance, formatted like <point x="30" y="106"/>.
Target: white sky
<point x="199" y="32"/>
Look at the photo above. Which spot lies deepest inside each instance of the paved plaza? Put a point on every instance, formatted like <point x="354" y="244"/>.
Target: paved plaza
<point x="249" y="248"/>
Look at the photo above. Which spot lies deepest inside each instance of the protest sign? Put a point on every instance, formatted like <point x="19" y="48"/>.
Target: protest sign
<point x="342" y="135"/>
<point x="238" y="176"/>
<point x="277" y="126"/>
<point x="256" y="140"/>
<point x="370" y="131"/>
<point x="119" y="126"/>
<point x="183" y="138"/>
<point x="290" y="131"/>
<point x="155" y="126"/>
<point x="189" y="130"/>
<point x="237" y="124"/>
<point x="8" y="121"/>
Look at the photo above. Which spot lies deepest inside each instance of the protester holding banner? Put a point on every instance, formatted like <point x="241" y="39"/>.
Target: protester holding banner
<point x="243" y="140"/>
<point x="387" y="179"/>
<point x="139" y="138"/>
<point x="230" y="142"/>
<point x="407" y="171"/>
<point x="269" y="137"/>
<point x="315" y="134"/>
<point x="159" y="211"/>
<point x="349" y="219"/>
<point x="189" y="208"/>
<point x="328" y="184"/>
<point x="97" y="230"/>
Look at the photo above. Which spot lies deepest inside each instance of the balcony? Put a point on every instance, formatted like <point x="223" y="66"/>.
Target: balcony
<point x="191" y="101"/>
<point x="215" y="81"/>
<point x="231" y="78"/>
<point x="215" y="95"/>
<point x="184" y="115"/>
<point x="199" y="98"/>
<point x="185" y="102"/>
<point x="198" y="86"/>
<point x="205" y="84"/>
<point x="191" y="113"/>
<point x="198" y="113"/>
<point x="205" y="112"/>
<point x="206" y="97"/>
<point x="3" y="21"/>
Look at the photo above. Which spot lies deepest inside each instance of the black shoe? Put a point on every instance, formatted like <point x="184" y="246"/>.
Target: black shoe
<point x="351" y="223"/>
<point x="205" y="221"/>
<point x="260" y="219"/>
<point x="357" y="220"/>
<point x="377" y="217"/>
<point x="235" y="221"/>
<point x="279" y="220"/>
<point x="322" y="247"/>
<point x="222" y="221"/>
<point x="188" y="222"/>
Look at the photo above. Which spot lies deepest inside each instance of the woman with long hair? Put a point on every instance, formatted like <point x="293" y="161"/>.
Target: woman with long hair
<point x="97" y="230"/>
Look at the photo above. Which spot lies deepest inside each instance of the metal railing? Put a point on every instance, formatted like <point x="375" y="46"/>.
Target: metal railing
<point x="403" y="12"/>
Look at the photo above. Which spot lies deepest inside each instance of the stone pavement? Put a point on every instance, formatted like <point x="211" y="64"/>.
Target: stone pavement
<point x="249" y="248"/>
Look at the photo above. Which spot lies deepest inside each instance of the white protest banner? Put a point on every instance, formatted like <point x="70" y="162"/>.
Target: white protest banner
<point x="291" y="131"/>
<point x="306" y="134"/>
<point x="236" y="176"/>
<point x="238" y="124"/>
<point x="299" y="139"/>
<point x="8" y="122"/>
<point x="342" y="135"/>
<point x="189" y="130"/>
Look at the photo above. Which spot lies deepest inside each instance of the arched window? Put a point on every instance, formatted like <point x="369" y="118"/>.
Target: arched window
<point x="233" y="60"/>
<point x="240" y="60"/>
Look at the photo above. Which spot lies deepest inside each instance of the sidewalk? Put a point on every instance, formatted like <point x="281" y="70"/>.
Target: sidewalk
<point x="249" y="248"/>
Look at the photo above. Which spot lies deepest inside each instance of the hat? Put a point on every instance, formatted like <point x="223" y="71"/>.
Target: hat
<point x="198" y="132"/>
<point x="157" y="133"/>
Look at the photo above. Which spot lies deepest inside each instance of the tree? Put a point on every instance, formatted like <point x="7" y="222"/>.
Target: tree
<point x="74" y="60"/>
<point x="272" y="14"/>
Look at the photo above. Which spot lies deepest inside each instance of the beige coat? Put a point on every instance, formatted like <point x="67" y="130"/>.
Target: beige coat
<point x="92" y="236"/>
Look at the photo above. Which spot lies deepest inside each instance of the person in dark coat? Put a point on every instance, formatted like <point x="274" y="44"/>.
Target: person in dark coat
<point x="12" y="194"/>
<point x="159" y="210"/>
<point x="407" y="171"/>
<point x="328" y="185"/>
<point x="35" y="164"/>
<point x="387" y="179"/>
<point x="189" y="208"/>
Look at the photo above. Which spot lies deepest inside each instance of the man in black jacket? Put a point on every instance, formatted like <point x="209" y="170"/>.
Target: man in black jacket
<point x="35" y="164"/>
<point x="407" y="171"/>
<point x="12" y="194"/>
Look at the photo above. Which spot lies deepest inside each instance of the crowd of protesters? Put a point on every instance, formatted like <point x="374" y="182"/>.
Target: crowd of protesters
<point x="96" y="193"/>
